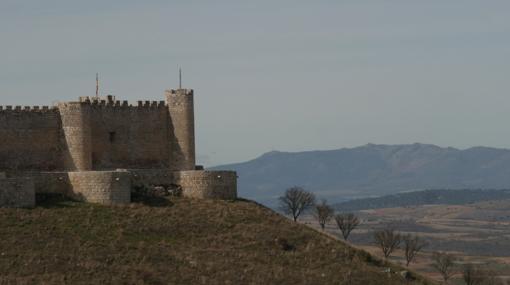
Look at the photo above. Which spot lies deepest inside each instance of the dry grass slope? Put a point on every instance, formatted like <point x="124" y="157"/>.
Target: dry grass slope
<point x="181" y="242"/>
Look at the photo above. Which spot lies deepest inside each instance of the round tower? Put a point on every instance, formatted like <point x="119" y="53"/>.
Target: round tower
<point x="181" y="129"/>
<point x="77" y="137"/>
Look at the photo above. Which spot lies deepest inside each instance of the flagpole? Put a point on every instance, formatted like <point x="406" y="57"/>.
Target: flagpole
<point x="97" y="84"/>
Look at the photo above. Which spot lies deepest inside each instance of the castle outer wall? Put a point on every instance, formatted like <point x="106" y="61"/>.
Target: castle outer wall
<point x="30" y="139"/>
<point x="102" y="187"/>
<point x="99" y="135"/>
<point x="194" y="183"/>
<point x="208" y="184"/>
<point x="79" y="148"/>
<point x="17" y="192"/>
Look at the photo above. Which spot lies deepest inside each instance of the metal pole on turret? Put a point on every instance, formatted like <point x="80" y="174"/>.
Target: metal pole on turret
<point x="180" y="78"/>
<point x="97" y="84"/>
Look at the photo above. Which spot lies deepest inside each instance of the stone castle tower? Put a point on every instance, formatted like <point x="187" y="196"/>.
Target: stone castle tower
<point x="182" y="123"/>
<point x="97" y="149"/>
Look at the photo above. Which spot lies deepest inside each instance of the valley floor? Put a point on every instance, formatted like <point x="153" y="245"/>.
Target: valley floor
<point x="476" y="233"/>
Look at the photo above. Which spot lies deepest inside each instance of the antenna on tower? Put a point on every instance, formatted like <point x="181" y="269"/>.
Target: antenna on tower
<point x="180" y="78"/>
<point x="97" y="84"/>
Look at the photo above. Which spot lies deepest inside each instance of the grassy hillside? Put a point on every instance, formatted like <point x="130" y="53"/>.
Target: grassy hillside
<point x="182" y="241"/>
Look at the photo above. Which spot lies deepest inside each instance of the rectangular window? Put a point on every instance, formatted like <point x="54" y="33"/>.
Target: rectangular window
<point x="112" y="137"/>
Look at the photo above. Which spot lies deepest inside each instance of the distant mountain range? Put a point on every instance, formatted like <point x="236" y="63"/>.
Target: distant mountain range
<point x="372" y="170"/>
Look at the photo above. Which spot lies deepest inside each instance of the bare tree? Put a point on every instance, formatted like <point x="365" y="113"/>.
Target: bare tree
<point x="346" y="223"/>
<point x="323" y="213"/>
<point x="476" y="275"/>
<point x="388" y="240"/>
<point x="296" y="201"/>
<point x="444" y="263"/>
<point x="412" y="245"/>
<point x="470" y="274"/>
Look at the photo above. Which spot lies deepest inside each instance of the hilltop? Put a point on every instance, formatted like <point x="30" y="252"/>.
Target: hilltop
<point x="372" y="170"/>
<point x="180" y="241"/>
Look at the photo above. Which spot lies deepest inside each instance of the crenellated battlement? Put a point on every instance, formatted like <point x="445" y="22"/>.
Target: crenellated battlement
<point x="179" y="91"/>
<point x="23" y="109"/>
<point x="110" y="102"/>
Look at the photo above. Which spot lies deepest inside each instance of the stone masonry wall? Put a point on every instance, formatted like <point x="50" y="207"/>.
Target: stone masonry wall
<point x="182" y="129"/>
<point x="129" y="136"/>
<point x="208" y="184"/>
<point x="29" y="139"/>
<point x="76" y="136"/>
<point x="103" y="187"/>
<point x="17" y="192"/>
<point x="194" y="183"/>
<point x="94" y="186"/>
<point x="50" y="182"/>
<point x="152" y="177"/>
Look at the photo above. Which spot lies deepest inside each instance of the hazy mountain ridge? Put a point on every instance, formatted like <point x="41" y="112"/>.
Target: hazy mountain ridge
<point x="373" y="170"/>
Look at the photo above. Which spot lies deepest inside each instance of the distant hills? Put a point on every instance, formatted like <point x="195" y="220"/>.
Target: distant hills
<point x="426" y="197"/>
<point x="372" y="170"/>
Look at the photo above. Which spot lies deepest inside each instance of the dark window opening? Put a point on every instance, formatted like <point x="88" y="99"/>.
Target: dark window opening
<point x="112" y="137"/>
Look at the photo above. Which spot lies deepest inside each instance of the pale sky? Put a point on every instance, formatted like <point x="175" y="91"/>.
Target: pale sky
<point x="276" y="75"/>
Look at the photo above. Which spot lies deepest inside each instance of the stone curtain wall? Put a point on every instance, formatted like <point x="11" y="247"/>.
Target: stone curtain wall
<point x="50" y="182"/>
<point x="29" y="139"/>
<point x="129" y="136"/>
<point x="103" y="187"/>
<point x="159" y="177"/>
<point x="17" y="192"/>
<point x="208" y="184"/>
<point x="194" y="183"/>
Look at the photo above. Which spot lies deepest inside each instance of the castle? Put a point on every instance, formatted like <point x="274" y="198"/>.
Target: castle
<point x="97" y="149"/>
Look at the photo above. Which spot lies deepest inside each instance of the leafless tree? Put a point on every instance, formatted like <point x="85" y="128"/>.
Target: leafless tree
<point x="476" y="275"/>
<point x="295" y="201"/>
<point x="444" y="263"/>
<point x="470" y="274"/>
<point x="346" y="223"/>
<point x="412" y="245"/>
<point x="388" y="240"/>
<point x="323" y="213"/>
